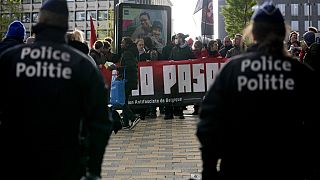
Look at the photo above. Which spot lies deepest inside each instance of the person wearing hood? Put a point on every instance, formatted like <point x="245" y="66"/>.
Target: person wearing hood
<point x="256" y="121"/>
<point x="15" y="35"/>
<point x="52" y="96"/>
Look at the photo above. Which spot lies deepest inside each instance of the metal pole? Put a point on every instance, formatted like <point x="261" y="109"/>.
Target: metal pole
<point x="309" y="6"/>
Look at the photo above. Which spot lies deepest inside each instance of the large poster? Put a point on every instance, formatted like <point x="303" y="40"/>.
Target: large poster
<point x="178" y="82"/>
<point x="207" y="18"/>
<point x="144" y="21"/>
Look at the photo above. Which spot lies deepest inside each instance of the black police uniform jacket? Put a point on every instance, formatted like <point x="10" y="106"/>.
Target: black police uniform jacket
<point x="47" y="89"/>
<point x="255" y="120"/>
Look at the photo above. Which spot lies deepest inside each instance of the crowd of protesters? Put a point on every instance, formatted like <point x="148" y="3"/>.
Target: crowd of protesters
<point x="85" y="97"/>
<point x="181" y="47"/>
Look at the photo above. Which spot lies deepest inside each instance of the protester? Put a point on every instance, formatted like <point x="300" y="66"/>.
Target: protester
<point x="213" y="49"/>
<point x="15" y="35"/>
<point x="30" y="40"/>
<point x="313" y="29"/>
<point x="293" y="38"/>
<point x="198" y="50"/>
<point x="256" y="121"/>
<point x="76" y="40"/>
<point x="166" y="51"/>
<point x="98" y="52"/>
<point x="238" y="47"/>
<point x="181" y="51"/>
<point x="143" y="56"/>
<point x="220" y="45"/>
<point x="50" y="93"/>
<point x="304" y="48"/>
<point x="312" y="53"/>
<point x="227" y="45"/>
<point x="128" y="69"/>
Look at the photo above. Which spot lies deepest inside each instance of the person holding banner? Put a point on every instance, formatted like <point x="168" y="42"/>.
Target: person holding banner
<point x="181" y="51"/>
<point x="256" y="121"/>
<point x="213" y="49"/>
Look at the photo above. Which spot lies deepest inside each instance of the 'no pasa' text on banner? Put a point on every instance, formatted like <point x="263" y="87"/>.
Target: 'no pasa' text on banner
<point x="178" y="82"/>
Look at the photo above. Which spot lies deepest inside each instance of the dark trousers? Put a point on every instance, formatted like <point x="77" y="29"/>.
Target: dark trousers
<point x="170" y="110"/>
<point x="127" y="112"/>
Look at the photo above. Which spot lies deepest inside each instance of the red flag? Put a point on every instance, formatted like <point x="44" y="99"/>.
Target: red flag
<point x="93" y="36"/>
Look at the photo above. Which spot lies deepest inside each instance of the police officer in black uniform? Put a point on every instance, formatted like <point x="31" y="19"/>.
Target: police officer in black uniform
<point x="256" y="120"/>
<point x="49" y="93"/>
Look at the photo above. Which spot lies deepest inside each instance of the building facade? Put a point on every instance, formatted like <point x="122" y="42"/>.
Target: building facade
<point x="298" y="14"/>
<point x="153" y="2"/>
<point x="101" y="11"/>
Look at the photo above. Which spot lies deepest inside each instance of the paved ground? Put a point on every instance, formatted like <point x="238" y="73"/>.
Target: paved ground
<point x="154" y="149"/>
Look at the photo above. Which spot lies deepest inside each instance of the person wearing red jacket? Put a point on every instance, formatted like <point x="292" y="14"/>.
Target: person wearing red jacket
<point x="213" y="51"/>
<point x="199" y="51"/>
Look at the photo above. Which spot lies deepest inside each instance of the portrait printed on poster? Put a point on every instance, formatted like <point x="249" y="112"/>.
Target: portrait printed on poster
<point x="146" y="23"/>
<point x="207" y="18"/>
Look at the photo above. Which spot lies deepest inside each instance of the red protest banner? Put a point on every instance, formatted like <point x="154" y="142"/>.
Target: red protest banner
<point x="183" y="82"/>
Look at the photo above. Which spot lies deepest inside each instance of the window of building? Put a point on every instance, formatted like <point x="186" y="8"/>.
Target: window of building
<point x="294" y="9"/>
<point x="93" y="14"/>
<point x="101" y="34"/>
<point x="282" y="8"/>
<point x="318" y="5"/>
<point x="318" y="25"/>
<point x="307" y="9"/>
<point x="5" y="16"/>
<point x="26" y="1"/>
<point x="294" y="25"/>
<point x="35" y="17"/>
<point x="102" y="15"/>
<point x="80" y="15"/>
<point x="307" y="24"/>
<point x="36" y="1"/>
<point x="79" y="0"/>
<point x="25" y="17"/>
<point x="15" y="16"/>
<point x="71" y="16"/>
<point x="88" y="35"/>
